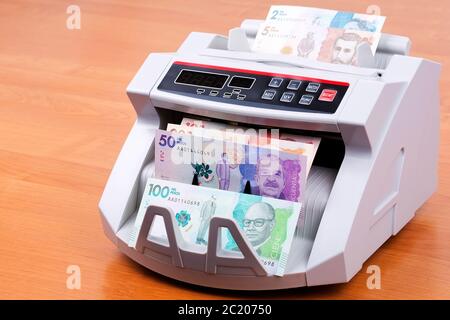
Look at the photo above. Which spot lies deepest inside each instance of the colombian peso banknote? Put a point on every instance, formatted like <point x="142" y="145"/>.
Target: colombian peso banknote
<point x="325" y="18"/>
<point x="219" y="164"/>
<point x="318" y="34"/>
<point x="250" y="137"/>
<point x="268" y="224"/>
<point x="307" y="145"/>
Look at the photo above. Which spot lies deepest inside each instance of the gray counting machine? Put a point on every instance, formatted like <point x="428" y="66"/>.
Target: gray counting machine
<point x="376" y="164"/>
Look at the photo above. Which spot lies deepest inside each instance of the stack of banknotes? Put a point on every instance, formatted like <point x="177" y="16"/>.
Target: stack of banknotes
<point x="254" y="177"/>
<point x="267" y="223"/>
<point x="318" y="34"/>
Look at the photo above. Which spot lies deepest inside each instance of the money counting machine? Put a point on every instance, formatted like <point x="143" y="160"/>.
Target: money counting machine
<point x="376" y="164"/>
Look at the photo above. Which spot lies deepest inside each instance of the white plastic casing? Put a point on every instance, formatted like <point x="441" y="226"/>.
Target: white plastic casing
<point x="388" y="121"/>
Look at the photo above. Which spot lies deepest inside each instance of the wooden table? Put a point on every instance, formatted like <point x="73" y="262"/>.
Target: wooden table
<point x="64" y="116"/>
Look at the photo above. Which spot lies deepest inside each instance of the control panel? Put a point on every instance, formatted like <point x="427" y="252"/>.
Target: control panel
<point x="254" y="88"/>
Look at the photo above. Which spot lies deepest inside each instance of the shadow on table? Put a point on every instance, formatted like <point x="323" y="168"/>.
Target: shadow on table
<point x="153" y="285"/>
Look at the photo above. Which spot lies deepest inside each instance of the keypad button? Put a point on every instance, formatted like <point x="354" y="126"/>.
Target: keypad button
<point x="287" y="97"/>
<point x="269" y="94"/>
<point x="313" y="87"/>
<point x="328" y="95"/>
<point x="306" y="99"/>
<point x="275" y="82"/>
<point x="241" y="96"/>
<point x="294" y="84"/>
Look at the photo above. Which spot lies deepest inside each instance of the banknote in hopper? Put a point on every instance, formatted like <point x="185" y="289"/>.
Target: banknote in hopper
<point x="221" y="165"/>
<point x="324" y="18"/>
<point x="319" y="34"/>
<point x="268" y="224"/>
<point x="331" y="45"/>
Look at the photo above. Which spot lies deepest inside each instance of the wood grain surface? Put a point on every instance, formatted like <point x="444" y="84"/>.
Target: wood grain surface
<point x="64" y="116"/>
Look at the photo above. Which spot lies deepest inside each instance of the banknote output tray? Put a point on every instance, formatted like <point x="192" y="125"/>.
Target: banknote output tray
<point x="375" y="167"/>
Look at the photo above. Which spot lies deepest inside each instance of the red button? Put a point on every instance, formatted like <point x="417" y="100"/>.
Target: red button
<point x="327" y="95"/>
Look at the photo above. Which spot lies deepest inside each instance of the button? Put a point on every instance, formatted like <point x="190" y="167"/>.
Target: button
<point x="213" y="93"/>
<point x="200" y="91"/>
<point x="328" y="95"/>
<point x="275" y="82"/>
<point x="241" y="96"/>
<point x="306" y="99"/>
<point x="236" y="90"/>
<point x="294" y="84"/>
<point x="269" y="94"/>
<point x="287" y="97"/>
<point x="227" y="95"/>
<point x="313" y="87"/>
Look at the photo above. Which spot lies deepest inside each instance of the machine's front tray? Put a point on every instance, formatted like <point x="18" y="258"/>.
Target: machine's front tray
<point x="295" y="275"/>
<point x="192" y="267"/>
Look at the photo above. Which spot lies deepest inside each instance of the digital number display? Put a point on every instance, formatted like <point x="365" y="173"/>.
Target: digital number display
<point x="202" y="79"/>
<point x="241" y="82"/>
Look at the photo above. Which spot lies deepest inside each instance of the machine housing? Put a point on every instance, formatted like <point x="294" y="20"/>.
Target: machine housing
<point x="376" y="165"/>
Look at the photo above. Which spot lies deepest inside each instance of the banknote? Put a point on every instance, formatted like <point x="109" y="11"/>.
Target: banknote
<point x="318" y="34"/>
<point x="250" y="137"/>
<point x="219" y="164"/>
<point x="324" y="18"/>
<point x="268" y="224"/>
<point x="207" y="124"/>
<point x="308" y="144"/>
<point x="339" y="46"/>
